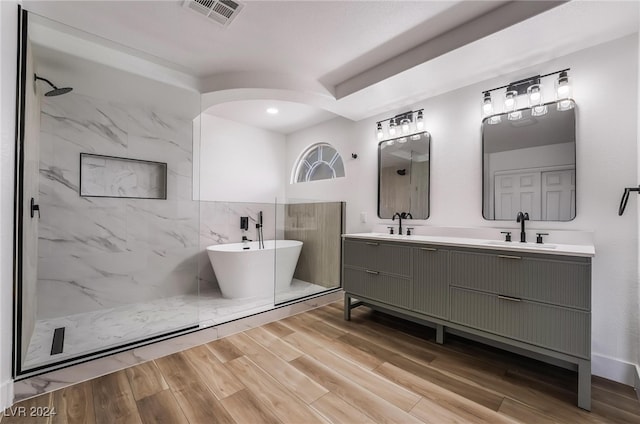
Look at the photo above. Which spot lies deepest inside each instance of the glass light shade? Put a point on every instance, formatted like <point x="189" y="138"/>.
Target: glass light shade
<point x="534" y="92"/>
<point x="380" y="132"/>
<point x="402" y="140"/>
<point x="487" y="105"/>
<point x="405" y="125"/>
<point x="510" y="101"/>
<point x="564" y="91"/>
<point x="420" y="121"/>
<point x="565" y="104"/>
<point x="415" y="137"/>
<point x="539" y="110"/>
<point x="392" y="128"/>
<point x="390" y="142"/>
<point x="496" y="119"/>
<point x="514" y="116"/>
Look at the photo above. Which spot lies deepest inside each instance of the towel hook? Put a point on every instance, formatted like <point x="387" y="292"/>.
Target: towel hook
<point x="625" y="198"/>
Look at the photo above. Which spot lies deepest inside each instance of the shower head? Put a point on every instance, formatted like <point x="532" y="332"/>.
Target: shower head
<point x="56" y="91"/>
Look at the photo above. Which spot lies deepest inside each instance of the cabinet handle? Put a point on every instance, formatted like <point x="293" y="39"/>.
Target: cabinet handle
<point x="372" y="244"/>
<point x="428" y="249"/>
<point x="512" y="299"/>
<point x="509" y="257"/>
<point x="372" y="272"/>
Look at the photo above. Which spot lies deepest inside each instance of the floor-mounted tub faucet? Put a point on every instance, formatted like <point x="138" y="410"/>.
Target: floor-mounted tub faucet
<point x="521" y="218"/>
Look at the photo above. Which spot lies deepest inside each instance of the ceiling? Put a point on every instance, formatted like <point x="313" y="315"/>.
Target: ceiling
<point x="332" y="58"/>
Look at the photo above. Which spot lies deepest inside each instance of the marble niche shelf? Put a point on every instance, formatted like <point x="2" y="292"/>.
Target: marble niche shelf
<point x="109" y="176"/>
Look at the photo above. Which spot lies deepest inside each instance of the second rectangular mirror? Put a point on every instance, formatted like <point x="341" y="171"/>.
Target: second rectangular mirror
<point x="529" y="164"/>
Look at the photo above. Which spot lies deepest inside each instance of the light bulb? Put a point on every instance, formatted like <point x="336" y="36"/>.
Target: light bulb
<point x="420" y="121"/>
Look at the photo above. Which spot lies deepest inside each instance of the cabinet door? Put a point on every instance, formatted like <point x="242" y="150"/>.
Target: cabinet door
<point x="431" y="281"/>
<point x="563" y="281"/>
<point x="379" y="256"/>
<point x="552" y="327"/>
<point x="374" y="285"/>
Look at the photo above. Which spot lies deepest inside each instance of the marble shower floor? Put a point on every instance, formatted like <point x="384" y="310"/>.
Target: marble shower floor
<point x="97" y="330"/>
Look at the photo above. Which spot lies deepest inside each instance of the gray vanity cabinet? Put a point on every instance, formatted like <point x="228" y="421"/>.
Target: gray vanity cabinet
<point x="534" y="303"/>
<point x="431" y="281"/>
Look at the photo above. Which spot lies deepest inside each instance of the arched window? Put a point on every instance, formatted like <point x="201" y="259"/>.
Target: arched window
<point x="319" y="162"/>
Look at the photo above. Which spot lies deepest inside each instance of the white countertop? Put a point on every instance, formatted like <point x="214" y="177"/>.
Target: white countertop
<point x="515" y="246"/>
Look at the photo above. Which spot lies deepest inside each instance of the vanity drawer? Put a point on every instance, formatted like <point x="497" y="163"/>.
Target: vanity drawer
<point x="557" y="328"/>
<point x="374" y="285"/>
<point x="562" y="281"/>
<point x="377" y="256"/>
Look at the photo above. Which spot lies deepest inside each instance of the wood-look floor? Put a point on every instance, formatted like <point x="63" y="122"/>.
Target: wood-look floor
<point x="317" y="368"/>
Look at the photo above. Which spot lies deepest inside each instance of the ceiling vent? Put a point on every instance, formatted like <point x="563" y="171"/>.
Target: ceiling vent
<point x="220" y="11"/>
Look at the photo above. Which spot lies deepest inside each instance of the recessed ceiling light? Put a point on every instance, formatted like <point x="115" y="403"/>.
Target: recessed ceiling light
<point x="272" y="111"/>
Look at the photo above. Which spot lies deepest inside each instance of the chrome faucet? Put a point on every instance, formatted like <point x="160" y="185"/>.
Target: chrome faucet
<point x="401" y="216"/>
<point x="521" y="218"/>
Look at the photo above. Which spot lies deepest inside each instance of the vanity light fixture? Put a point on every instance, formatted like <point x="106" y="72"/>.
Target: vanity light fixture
<point x="404" y="125"/>
<point x="533" y="88"/>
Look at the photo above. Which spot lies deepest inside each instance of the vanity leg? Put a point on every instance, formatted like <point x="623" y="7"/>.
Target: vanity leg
<point x="347" y="307"/>
<point x="584" y="384"/>
<point x="439" y="333"/>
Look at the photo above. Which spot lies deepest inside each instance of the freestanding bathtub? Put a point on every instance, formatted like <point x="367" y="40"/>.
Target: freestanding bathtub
<point x="250" y="272"/>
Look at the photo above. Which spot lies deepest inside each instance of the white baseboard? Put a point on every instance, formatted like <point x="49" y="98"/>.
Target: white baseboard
<point x="637" y="383"/>
<point x="615" y="369"/>
<point x="6" y="395"/>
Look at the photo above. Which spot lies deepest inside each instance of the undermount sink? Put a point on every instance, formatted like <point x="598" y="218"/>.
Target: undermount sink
<point x="518" y="244"/>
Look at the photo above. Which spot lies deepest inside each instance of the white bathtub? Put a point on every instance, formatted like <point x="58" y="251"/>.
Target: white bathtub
<point x="249" y="273"/>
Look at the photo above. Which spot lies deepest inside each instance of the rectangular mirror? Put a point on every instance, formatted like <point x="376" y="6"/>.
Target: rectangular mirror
<point x="529" y="164"/>
<point x="403" y="176"/>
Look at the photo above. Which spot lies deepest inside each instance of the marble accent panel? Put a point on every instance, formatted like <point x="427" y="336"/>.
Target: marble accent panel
<point x="61" y="378"/>
<point x="104" y="176"/>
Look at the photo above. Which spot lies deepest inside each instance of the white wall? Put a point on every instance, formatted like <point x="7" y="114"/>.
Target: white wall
<point x="239" y="163"/>
<point x="605" y="86"/>
<point x="8" y="45"/>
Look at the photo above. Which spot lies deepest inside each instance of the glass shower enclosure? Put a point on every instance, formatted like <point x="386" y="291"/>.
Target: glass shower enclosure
<point x="107" y="228"/>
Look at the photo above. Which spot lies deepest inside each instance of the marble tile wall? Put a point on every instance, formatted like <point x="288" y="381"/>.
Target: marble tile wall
<point x="97" y="253"/>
